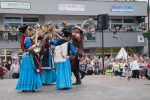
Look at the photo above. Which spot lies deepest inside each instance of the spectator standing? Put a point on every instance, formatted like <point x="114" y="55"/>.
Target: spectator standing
<point x="135" y="67"/>
<point x="15" y="69"/>
<point x="8" y="74"/>
<point x="4" y="69"/>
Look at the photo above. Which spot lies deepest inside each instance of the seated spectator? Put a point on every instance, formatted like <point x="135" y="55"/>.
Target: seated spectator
<point x="109" y="70"/>
<point x="97" y="69"/>
<point x="142" y="68"/>
<point x="89" y="68"/>
<point x="83" y="66"/>
<point x="116" y="67"/>
<point x="127" y="72"/>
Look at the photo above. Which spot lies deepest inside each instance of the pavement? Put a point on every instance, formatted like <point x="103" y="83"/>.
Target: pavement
<point x="95" y="87"/>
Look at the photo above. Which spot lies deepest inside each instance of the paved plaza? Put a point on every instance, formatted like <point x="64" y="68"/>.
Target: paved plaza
<point x="93" y="88"/>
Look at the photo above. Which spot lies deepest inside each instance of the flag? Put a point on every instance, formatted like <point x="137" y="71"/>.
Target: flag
<point x="14" y="55"/>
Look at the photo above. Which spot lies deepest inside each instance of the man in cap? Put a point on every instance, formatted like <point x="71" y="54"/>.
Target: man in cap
<point x="77" y="40"/>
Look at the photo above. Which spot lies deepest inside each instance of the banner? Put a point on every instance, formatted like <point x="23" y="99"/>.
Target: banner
<point x="14" y="55"/>
<point x="121" y="8"/>
<point x="106" y="50"/>
<point x="71" y="7"/>
<point x="15" y="5"/>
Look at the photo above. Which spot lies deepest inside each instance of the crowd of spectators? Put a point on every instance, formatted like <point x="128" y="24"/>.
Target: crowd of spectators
<point x="136" y="66"/>
<point x="9" y="69"/>
<point x="12" y="34"/>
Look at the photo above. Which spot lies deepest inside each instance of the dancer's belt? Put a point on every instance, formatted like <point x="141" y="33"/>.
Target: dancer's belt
<point x="80" y="54"/>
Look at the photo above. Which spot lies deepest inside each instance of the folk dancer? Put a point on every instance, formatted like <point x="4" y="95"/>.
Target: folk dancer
<point x="29" y="79"/>
<point x="47" y="64"/>
<point x="77" y="41"/>
<point x="61" y="58"/>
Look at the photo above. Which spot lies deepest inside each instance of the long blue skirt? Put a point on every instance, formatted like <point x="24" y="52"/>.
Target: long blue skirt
<point x="49" y="75"/>
<point x="63" y="70"/>
<point x="29" y="78"/>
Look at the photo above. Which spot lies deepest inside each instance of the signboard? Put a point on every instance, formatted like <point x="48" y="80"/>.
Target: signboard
<point x="71" y="7"/>
<point x="115" y="50"/>
<point x="106" y="50"/>
<point x="121" y="8"/>
<point x="140" y="38"/>
<point x="15" y="5"/>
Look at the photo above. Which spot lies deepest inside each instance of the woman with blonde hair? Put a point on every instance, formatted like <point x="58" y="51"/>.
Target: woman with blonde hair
<point x="135" y="66"/>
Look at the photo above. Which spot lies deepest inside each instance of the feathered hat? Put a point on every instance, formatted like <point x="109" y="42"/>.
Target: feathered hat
<point x="23" y="28"/>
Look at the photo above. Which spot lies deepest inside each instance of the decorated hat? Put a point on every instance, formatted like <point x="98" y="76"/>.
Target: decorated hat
<point x="23" y="28"/>
<point x="78" y="27"/>
<point x="67" y="31"/>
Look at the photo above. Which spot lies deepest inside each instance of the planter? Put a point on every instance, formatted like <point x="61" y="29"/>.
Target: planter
<point x="146" y="34"/>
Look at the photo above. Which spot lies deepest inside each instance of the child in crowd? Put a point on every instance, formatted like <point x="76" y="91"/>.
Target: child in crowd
<point x="128" y="72"/>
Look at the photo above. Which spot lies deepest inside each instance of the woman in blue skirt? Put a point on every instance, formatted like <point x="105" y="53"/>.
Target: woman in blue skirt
<point x="61" y="58"/>
<point x="29" y="79"/>
<point x="47" y="64"/>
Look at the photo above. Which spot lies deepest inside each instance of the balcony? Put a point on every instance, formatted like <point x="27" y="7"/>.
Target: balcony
<point x="8" y="40"/>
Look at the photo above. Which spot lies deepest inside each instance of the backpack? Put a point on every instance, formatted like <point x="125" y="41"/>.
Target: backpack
<point x="1" y="71"/>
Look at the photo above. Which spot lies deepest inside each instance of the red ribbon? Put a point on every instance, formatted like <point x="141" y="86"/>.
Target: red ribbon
<point x="39" y="66"/>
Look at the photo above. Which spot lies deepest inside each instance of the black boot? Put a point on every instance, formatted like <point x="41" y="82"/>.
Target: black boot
<point x="78" y="80"/>
<point x="83" y="73"/>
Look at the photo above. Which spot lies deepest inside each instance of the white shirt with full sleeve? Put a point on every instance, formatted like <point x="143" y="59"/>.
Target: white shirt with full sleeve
<point x="135" y="65"/>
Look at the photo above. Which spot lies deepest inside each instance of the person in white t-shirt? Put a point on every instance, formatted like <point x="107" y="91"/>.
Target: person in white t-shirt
<point x="15" y="67"/>
<point x="135" y="67"/>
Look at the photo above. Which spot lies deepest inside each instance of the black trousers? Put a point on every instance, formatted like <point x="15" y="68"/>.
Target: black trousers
<point x="75" y="69"/>
<point x="15" y="75"/>
<point x="1" y="76"/>
<point x="135" y="74"/>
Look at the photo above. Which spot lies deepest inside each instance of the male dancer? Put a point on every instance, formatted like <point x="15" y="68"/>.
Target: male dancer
<point x="78" y="43"/>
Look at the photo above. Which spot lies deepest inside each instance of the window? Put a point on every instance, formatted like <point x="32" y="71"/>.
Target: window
<point x="1" y="51"/>
<point x="13" y="24"/>
<point x="116" y="25"/>
<point x="116" y="20"/>
<point x="12" y="19"/>
<point x="78" y="24"/>
<point x="30" y="19"/>
<point x="128" y="20"/>
<point x="30" y="24"/>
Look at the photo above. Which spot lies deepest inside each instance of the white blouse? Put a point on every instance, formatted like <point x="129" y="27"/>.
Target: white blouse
<point x="135" y="65"/>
